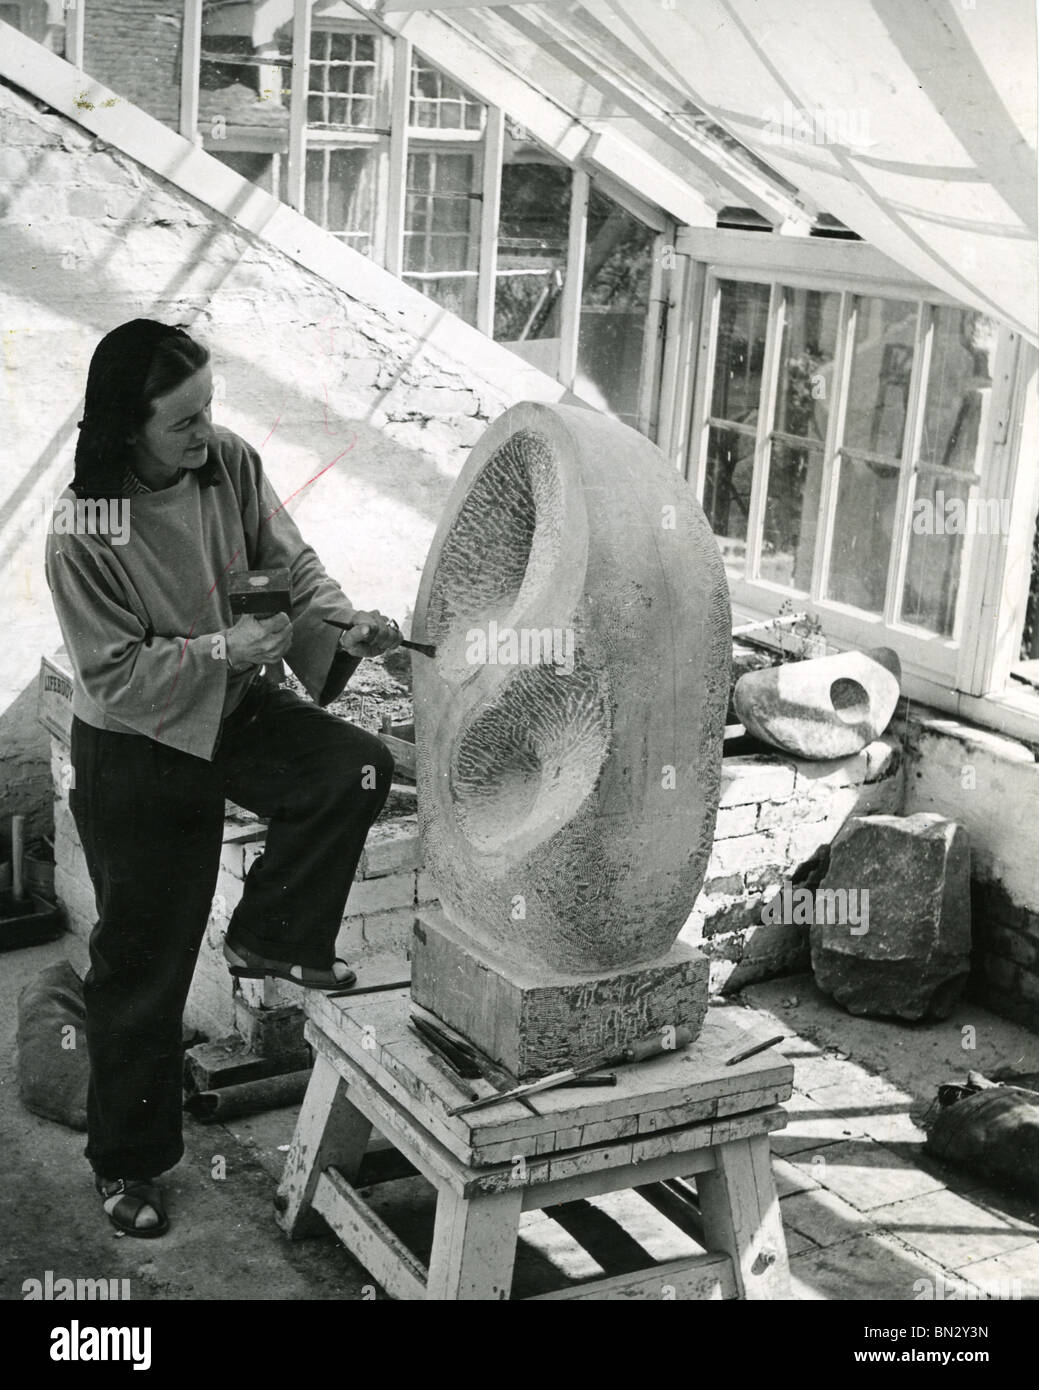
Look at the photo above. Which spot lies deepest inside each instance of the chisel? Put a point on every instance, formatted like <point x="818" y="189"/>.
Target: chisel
<point x="425" y="648"/>
<point x="666" y="1040"/>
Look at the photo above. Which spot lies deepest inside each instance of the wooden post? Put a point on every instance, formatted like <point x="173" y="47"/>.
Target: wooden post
<point x="75" y="33"/>
<point x="490" y="213"/>
<point x="474" y="1246"/>
<point x="650" y="368"/>
<point x="330" y="1131"/>
<point x="190" y="59"/>
<point x="297" y="175"/>
<point x="741" y="1216"/>
<point x="573" y="288"/>
<point x="396" y="199"/>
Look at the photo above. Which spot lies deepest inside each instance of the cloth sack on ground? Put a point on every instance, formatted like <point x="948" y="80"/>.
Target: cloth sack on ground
<point x="53" y="1065"/>
<point x="992" y="1131"/>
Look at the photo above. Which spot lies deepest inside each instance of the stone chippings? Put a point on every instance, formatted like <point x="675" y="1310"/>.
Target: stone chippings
<point x="913" y="960"/>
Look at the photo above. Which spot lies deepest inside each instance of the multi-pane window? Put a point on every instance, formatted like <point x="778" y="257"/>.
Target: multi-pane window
<point x="841" y="432"/>
<point x="340" y="193"/>
<point x="735" y="399"/>
<point x="441" y="231"/>
<point x="341" y="91"/>
<point x="959" y="379"/>
<point x="793" y="488"/>
<point x="533" y="242"/>
<point x="614" y="305"/>
<point x="437" y="103"/>
<point x="869" y="459"/>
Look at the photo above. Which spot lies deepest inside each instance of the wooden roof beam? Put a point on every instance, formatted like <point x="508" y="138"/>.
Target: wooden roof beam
<point x="748" y="188"/>
<point x="574" y="142"/>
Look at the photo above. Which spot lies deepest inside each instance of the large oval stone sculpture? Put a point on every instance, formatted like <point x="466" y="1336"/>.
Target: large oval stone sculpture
<point x="569" y="740"/>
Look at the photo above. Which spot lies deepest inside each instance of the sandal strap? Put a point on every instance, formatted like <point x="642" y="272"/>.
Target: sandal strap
<point x="132" y="1196"/>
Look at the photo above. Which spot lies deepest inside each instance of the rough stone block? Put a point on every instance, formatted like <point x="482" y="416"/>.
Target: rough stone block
<point x="542" y="1020"/>
<point x="910" y="957"/>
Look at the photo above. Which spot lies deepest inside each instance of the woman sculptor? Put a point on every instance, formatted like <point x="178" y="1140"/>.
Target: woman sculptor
<point x="175" y="708"/>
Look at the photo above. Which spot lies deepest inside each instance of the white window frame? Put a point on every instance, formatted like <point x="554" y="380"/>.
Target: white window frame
<point x="375" y="138"/>
<point x="967" y="674"/>
<point x="474" y="198"/>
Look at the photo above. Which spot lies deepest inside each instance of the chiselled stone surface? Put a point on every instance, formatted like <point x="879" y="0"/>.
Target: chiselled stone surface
<point x="907" y="954"/>
<point x="534" y="1020"/>
<point x="569" y="732"/>
<point x="826" y="708"/>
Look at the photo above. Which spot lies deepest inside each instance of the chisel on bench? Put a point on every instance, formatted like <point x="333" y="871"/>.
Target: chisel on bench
<point x="666" y="1040"/>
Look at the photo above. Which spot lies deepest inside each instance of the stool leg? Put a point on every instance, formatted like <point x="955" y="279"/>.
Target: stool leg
<point x="474" y="1245"/>
<point x="741" y="1217"/>
<point x="330" y="1132"/>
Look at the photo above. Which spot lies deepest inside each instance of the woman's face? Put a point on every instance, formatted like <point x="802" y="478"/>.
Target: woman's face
<point x="178" y="433"/>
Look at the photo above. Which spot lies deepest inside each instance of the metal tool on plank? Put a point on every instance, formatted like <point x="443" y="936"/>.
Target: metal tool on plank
<point x="666" y="1040"/>
<point x="458" y="1069"/>
<point x="368" y="989"/>
<point x="425" y="648"/>
<point x="753" y="1051"/>
<point x="460" y="1055"/>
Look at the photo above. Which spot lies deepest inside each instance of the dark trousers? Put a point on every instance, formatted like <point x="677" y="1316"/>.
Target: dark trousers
<point x="151" y="822"/>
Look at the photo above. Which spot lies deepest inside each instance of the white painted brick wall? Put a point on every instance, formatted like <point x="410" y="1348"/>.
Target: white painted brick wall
<point x="790" y="809"/>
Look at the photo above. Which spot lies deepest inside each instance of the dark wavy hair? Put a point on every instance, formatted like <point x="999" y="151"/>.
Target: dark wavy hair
<point x="131" y="368"/>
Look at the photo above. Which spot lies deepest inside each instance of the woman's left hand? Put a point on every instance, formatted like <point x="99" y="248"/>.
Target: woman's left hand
<point x="371" y="634"/>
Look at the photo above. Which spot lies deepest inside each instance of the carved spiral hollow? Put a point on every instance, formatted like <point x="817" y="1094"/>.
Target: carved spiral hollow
<point x="568" y="789"/>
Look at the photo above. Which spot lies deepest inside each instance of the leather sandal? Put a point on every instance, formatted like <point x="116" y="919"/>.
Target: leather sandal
<point x="126" y="1199"/>
<point x="247" y="965"/>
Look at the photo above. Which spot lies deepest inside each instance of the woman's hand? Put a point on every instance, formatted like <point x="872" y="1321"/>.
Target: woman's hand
<point x="371" y="635"/>
<point x="258" y="641"/>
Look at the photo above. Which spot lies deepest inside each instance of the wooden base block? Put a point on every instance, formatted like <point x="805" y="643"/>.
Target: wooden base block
<point x="536" y="1022"/>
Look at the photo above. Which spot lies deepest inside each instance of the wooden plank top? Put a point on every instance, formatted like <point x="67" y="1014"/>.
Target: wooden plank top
<point x="670" y="1091"/>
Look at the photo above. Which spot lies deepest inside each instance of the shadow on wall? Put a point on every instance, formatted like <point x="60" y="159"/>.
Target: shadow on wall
<point x="249" y="319"/>
<point x="358" y="420"/>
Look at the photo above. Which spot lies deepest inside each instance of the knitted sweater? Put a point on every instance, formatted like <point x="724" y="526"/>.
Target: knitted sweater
<point x="139" y="618"/>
